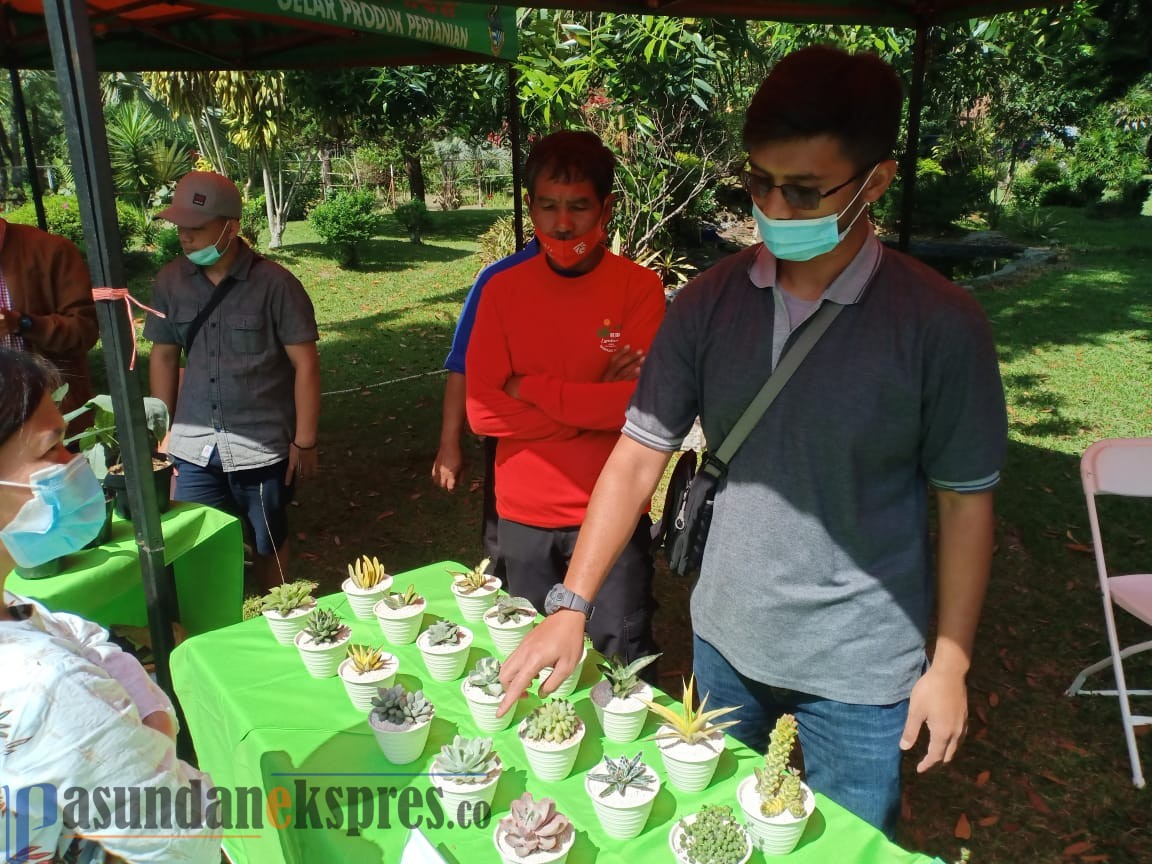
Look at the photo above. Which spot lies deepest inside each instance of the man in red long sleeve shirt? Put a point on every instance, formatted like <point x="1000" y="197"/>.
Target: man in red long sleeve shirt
<point x="552" y="363"/>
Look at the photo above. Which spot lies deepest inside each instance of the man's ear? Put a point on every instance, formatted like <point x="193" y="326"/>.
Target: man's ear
<point x="606" y="209"/>
<point x="881" y="179"/>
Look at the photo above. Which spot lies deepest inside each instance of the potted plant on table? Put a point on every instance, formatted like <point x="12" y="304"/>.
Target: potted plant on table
<point x="401" y="720"/>
<point x="776" y="802"/>
<point x="475" y="590"/>
<point x="444" y="647"/>
<point x="568" y="685"/>
<point x="364" y="671"/>
<point x="509" y="621"/>
<point x="622" y="795"/>
<point x="322" y="642"/>
<point x="551" y="736"/>
<point x="690" y="741"/>
<point x="286" y="609"/>
<point x="467" y="770"/>
<point x="400" y="614"/>
<point x="535" y="832"/>
<point x="711" y="836"/>
<point x="483" y="691"/>
<point x="365" y="585"/>
<point x="621" y="699"/>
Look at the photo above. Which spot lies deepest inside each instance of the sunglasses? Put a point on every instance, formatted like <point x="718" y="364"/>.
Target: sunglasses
<point x="799" y="197"/>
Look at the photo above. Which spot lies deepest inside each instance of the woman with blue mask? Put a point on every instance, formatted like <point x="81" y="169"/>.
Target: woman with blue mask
<point x="76" y="712"/>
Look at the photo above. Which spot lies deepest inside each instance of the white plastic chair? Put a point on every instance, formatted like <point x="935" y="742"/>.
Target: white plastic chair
<point x="1119" y="466"/>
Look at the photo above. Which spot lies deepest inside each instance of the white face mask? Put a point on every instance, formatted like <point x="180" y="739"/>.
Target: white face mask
<point x="805" y="239"/>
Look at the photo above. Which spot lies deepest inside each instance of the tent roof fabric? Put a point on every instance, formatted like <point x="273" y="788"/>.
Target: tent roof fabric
<point x="269" y="34"/>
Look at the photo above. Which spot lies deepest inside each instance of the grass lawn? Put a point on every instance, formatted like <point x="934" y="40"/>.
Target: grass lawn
<point x="1042" y="778"/>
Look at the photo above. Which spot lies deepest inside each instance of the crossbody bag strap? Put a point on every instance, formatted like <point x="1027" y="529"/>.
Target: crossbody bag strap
<point x="198" y="322"/>
<point x="717" y="462"/>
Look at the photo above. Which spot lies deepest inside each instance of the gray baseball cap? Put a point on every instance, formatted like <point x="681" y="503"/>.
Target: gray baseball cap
<point x="200" y="197"/>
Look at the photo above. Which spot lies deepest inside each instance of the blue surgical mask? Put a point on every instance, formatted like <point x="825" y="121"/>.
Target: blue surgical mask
<point x="805" y="239"/>
<point x="66" y="511"/>
<point x="209" y="255"/>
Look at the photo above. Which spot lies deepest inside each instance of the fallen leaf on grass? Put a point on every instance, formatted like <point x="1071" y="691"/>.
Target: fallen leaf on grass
<point x="1078" y="848"/>
<point x="993" y="698"/>
<point x="1038" y="803"/>
<point x="982" y="714"/>
<point x="301" y="536"/>
<point x="988" y="821"/>
<point x="1093" y="858"/>
<point x="415" y="495"/>
<point x="385" y="515"/>
<point x="983" y="777"/>
<point x="308" y="556"/>
<point x="1078" y="547"/>
<point x="963" y="830"/>
<point x="336" y="539"/>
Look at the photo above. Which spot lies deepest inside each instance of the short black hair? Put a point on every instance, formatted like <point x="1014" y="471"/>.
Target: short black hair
<point x="570" y="157"/>
<point x="24" y="379"/>
<point x="854" y="98"/>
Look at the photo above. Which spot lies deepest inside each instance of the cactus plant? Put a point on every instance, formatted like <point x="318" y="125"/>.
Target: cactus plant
<point x="367" y="573"/>
<point x="324" y="627"/>
<point x="443" y="632"/>
<point x="712" y="837"/>
<point x="691" y="725"/>
<point x="624" y="678"/>
<point x="509" y="609"/>
<point x="778" y="785"/>
<point x="400" y="599"/>
<point x="620" y="774"/>
<point x="284" y="598"/>
<point x="399" y="708"/>
<point x="485" y="676"/>
<point x="535" y="826"/>
<point x="467" y="760"/>
<point x="554" y="720"/>
<point x="366" y="659"/>
<point x="472" y="580"/>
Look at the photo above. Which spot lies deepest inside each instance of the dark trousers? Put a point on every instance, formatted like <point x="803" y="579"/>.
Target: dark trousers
<point x="537" y="558"/>
<point x="489" y="527"/>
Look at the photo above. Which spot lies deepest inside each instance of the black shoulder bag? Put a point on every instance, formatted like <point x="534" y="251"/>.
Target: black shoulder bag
<point x="210" y="307"/>
<point x="683" y="527"/>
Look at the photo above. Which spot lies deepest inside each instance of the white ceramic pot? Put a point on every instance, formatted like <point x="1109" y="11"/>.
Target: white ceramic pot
<point x="557" y="856"/>
<point x="445" y="662"/>
<point x="676" y="840"/>
<point x="454" y="794"/>
<point x="363" y="687"/>
<point x="474" y="605"/>
<point x="362" y="600"/>
<point x="551" y="761"/>
<point x="401" y="747"/>
<point x="773" y="835"/>
<point x="285" y="627"/>
<point x="621" y="719"/>
<point x="690" y="766"/>
<point x="400" y="626"/>
<point x="322" y="661"/>
<point x="622" y="816"/>
<point x="508" y="636"/>
<point x="568" y="687"/>
<point x="483" y="708"/>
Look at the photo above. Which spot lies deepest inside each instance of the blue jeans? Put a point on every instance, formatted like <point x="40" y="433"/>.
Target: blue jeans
<point x="851" y="752"/>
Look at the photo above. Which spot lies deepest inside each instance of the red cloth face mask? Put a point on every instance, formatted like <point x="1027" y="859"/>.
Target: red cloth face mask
<point x="567" y="254"/>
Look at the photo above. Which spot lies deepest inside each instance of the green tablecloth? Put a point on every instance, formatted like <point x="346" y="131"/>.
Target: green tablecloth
<point x="205" y="548"/>
<point x="259" y="720"/>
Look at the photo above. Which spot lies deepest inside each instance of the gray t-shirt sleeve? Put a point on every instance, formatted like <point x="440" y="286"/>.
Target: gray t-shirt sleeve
<point x="965" y="423"/>
<point x="666" y="401"/>
<point x="292" y="312"/>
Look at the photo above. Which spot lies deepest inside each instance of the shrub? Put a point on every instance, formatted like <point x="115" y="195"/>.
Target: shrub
<point x="63" y="215"/>
<point x="167" y="246"/>
<point x="413" y="218"/>
<point x="943" y="198"/>
<point x="346" y="219"/>
<point x="1047" y="172"/>
<point x="1091" y="189"/>
<point x="1026" y="190"/>
<point x="253" y="218"/>
<point x="1061" y="195"/>
<point x="499" y="241"/>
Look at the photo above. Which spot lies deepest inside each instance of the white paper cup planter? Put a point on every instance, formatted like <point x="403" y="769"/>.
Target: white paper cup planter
<point x="731" y="835"/>
<point x="322" y="643"/>
<point x="363" y="600"/>
<point x="569" y="685"/>
<point x="363" y="686"/>
<point x="400" y="626"/>
<point x="285" y="627"/>
<point x="621" y="719"/>
<point x="622" y="793"/>
<point x="690" y="767"/>
<point x="445" y="660"/>
<point x="286" y="607"/>
<point x="773" y="835"/>
<point x="401" y="721"/>
<point x="519" y="618"/>
<point x="483" y="693"/>
<point x="534" y="833"/>
<point x="466" y="772"/>
<point x="474" y="602"/>
<point x="551" y="736"/>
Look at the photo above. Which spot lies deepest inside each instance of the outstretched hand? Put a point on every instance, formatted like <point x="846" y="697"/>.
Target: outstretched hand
<point x="940" y="700"/>
<point x="557" y="642"/>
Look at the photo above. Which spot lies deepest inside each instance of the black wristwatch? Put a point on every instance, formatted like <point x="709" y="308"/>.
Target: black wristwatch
<point x="24" y="325"/>
<point x="560" y="597"/>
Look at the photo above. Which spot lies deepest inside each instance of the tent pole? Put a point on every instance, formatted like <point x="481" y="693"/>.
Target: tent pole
<point x="21" y="112"/>
<point x="514" y="142"/>
<point x="912" y="145"/>
<point x="70" y="35"/>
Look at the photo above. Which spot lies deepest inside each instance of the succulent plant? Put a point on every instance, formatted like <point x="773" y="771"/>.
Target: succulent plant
<point x="366" y="659"/>
<point x="399" y="707"/>
<point x="778" y="785"/>
<point x="624" y="677"/>
<point x="690" y="725"/>
<point x="510" y="609"/>
<point x="620" y="774"/>
<point x="284" y="598"/>
<point x="367" y="573"/>
<point x="400" y="599"/>
<point x="714" y="837"/>
<point x="468" y="760"/>
<point x="554" y="720"/>
<point x="535" y="826"/>
<point x="473" y="580"/>
<point x="485" y="676"/>
<point x="444" y="632"/>
<point x="324" y="627"/>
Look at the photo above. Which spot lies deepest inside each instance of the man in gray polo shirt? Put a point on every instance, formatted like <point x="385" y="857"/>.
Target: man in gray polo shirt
<point x="247" y="409"/>
<point x="816" y="587"/>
